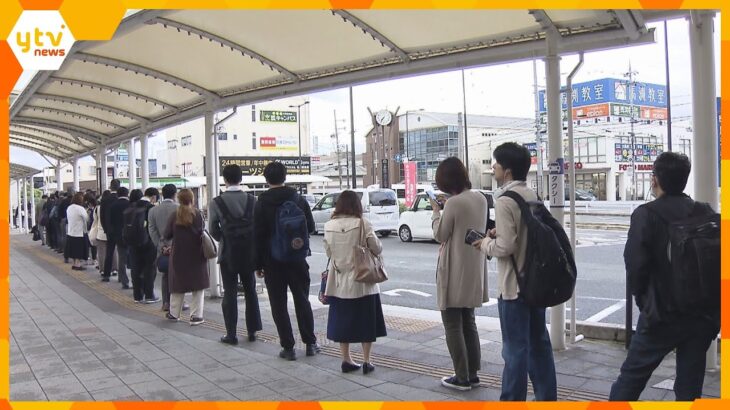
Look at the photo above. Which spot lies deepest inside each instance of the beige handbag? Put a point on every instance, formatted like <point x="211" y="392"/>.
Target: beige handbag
<point x="368" y="267"/>
<point x="210" y="251"/>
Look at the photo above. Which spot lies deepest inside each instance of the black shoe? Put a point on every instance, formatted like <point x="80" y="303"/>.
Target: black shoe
<point x="454" y="383"/>
<point x="252" y="337"/>
<point x="195" y="321"/>
<point x="125" y="286"/>
<point x="313" y="349"/>
<point x="288" y="354"/>
<point x="105" y="279"/>
<point x="168" y="316"/>
<point x="474" y="382"/>
<point x="350" y="367"/>
<point x="114" y="273"/>
<point x="229" y="340"/>
<point x="367" y="368"/>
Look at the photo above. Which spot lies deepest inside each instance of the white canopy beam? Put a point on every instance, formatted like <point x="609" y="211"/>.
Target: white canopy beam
<point x="113" y="90"/>
<point x="81" y="132"/>
<point x="74" y="115"/>
<point x="385" y="41"/>
<point x="91" y="104"/>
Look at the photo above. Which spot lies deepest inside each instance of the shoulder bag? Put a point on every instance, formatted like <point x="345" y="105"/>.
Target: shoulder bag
<point x="367" y="266"/>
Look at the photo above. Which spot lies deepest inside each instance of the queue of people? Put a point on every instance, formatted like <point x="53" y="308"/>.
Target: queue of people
<point x="268" y="237"/>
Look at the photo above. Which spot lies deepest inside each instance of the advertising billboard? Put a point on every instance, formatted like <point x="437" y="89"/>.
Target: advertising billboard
<point x="278" y="116"/>
<point x="611" y="90"/>
<point x="251" y="166"/>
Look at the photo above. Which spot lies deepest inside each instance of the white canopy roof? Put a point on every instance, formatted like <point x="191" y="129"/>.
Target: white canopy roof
<point x="164" y="67"/>
<point x="18" y="171"/>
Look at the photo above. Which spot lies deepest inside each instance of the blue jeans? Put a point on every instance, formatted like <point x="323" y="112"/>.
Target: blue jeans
<point x="526" y="350"/>
<point x="690" y="336"/>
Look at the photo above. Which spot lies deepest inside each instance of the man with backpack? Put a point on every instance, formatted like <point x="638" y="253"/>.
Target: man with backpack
<point x="283" y="223"/>
<point x="526" y="347"/>
<point x="231" y="223"/>
<point x="672" y="261"/>
<point x="141" y="248"/>
<point x="105" y="206"/>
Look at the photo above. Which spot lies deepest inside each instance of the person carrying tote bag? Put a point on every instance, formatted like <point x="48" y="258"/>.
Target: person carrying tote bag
<point x="210" y="250"/>
<point x="355" y="312"/>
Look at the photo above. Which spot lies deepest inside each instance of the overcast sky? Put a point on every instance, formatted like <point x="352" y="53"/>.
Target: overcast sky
<point x="504" y="90"/>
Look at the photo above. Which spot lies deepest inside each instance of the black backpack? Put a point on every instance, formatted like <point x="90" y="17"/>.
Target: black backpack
<point x="238" y="234"/>
<point x="134" y="232"/>
<point x="549" y="275"/>
<point x="693" y="250"/>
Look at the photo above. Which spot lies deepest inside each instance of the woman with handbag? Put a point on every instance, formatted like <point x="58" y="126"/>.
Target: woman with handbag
<point x="188" y="266"/>
<point x="460" y="277"/>
<point x="355" y="314"/>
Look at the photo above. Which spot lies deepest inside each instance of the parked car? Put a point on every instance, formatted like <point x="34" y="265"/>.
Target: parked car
<point x="380" y="207"/>
<point x="415" y="223"/>
<point x="310" y="200"/>
<point x="580" y="195"/>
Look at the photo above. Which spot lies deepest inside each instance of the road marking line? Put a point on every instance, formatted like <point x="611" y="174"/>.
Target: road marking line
<point x="607" y="312"/>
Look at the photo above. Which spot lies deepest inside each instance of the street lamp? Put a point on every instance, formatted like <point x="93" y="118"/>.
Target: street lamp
<point x="299" y="126"/>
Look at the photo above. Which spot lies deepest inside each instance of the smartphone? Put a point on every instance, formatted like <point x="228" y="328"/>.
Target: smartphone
<point x="431" y="194"/>
<point x="473" y="236"/>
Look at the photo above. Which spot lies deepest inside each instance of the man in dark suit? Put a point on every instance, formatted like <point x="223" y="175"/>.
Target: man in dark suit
<point x="105" y="219"/>
<point x="115" y="221"/>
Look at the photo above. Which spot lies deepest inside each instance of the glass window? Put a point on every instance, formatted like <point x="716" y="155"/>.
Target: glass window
<point x="172" y="144"/>
<point x="422" y="204"/>
<point x="253" y="143"/>
<point x="186" y="140"/>
<point x="383" y="198"/>
<point x="253" y="113"/>
<point x="328" y="202"/>
<point x="222" y="136"/>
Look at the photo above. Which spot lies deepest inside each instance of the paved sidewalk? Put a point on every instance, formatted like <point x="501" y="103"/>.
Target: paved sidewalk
<point x="75" y="338"/>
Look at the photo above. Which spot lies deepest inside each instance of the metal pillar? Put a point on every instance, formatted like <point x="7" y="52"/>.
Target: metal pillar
<point x="19" y="200"/>
<point x="144" y="166"/>
<point x="10" y="211"/>
<point x="101" y="164"/>
<point x="132" y="160"/>
<point x="75" y="172"/>
<point x="538" y="137"/>
<point x="211" y="162"/>
<point x="704" y="117"/>
<point x="24" y="216"/>
<point x="574" y="337"/>
<point x="555" y="152"/>
<point x="352" y="143"/>
<point x="31" y="217"/>
<point x="59" y="183"/>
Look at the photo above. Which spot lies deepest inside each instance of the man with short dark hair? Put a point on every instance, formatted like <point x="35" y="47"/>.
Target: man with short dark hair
<point x="115" y="240"/>
<point x="233" y="210"/>
<point x="662" y="328"/>
<point x="144" y="252"/>
<point x="526" y="347"/>
<point x="105" y="219"/>
<point x="157" y="221"/>
<point x="280" y="275"/>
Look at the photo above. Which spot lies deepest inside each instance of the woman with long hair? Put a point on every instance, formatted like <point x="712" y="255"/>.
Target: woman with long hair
<point x="76" y="229"/>
<point x="356" y="315"/>
<point x="188" y="269"/>
<point x="91" y="204"/>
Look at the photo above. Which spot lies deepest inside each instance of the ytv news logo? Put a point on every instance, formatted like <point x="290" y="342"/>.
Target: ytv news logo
<point x="40" y="40"/>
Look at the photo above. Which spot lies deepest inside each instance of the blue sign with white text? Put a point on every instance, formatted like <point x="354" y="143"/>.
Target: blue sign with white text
<point x="609" y="90"/>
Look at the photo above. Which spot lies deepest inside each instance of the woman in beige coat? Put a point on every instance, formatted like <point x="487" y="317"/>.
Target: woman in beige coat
<point x="460" y="280"/>
<point x="355" y="315"/>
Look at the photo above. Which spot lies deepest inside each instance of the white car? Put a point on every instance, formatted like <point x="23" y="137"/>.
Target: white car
<point x="415" y="223"/>
<point x="379" y="206"/>
<point x="310" y="200"/>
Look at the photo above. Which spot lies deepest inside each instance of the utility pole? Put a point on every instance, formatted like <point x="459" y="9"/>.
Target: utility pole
<point x="466" y="136"/>
<point x="669" y="94"/>
<point x="630" y="89"/>
<point x="538" y="142"/>
<point x="337" y="146"/>
<point x="347" y="165"/>
<point x="352" y="142"/>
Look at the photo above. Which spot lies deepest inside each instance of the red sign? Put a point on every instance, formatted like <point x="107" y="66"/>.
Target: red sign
<point x="638" y="167"/>
<point x="267" y="142"/>
<point x="591" y="111"/>
<point x="578" y="165"/>
<point x="409" y="169"/>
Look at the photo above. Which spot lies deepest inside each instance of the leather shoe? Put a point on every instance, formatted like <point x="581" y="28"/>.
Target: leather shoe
<point x="252" y="337"/>
<point x="313" y="349"/>
<point x="288" y="354"/>
<point x="229" y="340"/>
<point x="350" y="367"/>
<point x="367" y="368"/>
<point x="105" y="279"/>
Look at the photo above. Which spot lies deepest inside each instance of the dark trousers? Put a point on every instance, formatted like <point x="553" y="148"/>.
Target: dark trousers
<point x="51" y="235"/>
<point x="462" y="339"/>
<point x="64" y="242"/>
<point x="230" y="300"/>
<point x="165" y="285"/>
<point x="295" y="276"/>
<point x="526" y="350"/>
<point x="113" y="244"/>
<point x="691" y="337"/>
<point x="144" y="272"/>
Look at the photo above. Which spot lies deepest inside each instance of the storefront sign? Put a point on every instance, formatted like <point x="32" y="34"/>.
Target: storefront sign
<point x="642" y="152"/>
<point x="624" y="110"/>
<point x="611" y="90"/>
<point x="278" y="116"/>
<point x="532" y="147"/>
<point x="638" y="167"/>
<point x="255" y="165"/>
<point x="650" y="113"/>
<point x="278" y="144"/>
<point x="591" y="111"/>
<point x="578" y="165"/>
<point x="385" y="174"/>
